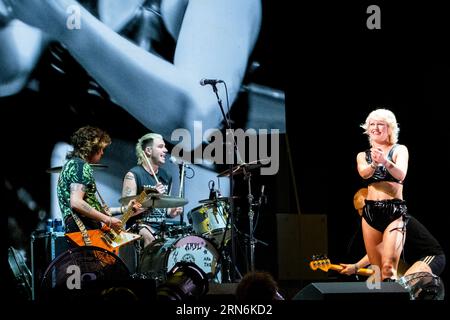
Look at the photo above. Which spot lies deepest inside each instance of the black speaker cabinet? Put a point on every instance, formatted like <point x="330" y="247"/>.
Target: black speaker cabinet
<point x="352" y="291"/>
<point x="45" y="247"/>
<point x="221" y="292"/>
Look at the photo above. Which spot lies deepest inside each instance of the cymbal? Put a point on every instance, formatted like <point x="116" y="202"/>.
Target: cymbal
<point x="93" y="165"/>
<point x="241" y="167"/>
<point x="158" y="201"/>
<point x="221" y="199"/>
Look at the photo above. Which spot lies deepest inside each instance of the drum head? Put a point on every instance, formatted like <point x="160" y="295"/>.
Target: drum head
<point x="153" y="262"/>
<point x="423" y="286"/>
<point x="82" y="273"/>
<point x="162" y="255"/>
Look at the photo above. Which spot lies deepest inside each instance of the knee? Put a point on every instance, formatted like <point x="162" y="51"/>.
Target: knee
<point x="387" y="269"/>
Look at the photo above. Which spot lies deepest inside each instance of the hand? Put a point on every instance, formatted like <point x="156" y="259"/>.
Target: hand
<point x="5" y="14"/>
<point x="173" y="212"/>
<point x="349" y="269"/>
<point x="160" y="188"/>
<point x="378" y="156"/>
<point x="113" y="223"/>
<point x="137" y="207"/>
<point x="49" y="16"/>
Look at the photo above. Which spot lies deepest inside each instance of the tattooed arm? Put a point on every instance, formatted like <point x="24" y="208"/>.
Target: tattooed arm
<point x="78" y="204"/>
<point x="129" y="187"/>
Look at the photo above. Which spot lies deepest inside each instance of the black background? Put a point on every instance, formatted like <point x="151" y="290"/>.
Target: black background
<point x="340" y="72"/>
<point x="334" y="72"/>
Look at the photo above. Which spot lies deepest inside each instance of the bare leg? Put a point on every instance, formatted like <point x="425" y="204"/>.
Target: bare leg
<point x="393" y="239"/>
<point x="372" y="238"/>
<point x="418" y="266"/>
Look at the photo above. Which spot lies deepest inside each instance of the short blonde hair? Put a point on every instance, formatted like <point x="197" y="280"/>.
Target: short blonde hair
<point x="387" y="116"/>
<point x="144" y="142"/>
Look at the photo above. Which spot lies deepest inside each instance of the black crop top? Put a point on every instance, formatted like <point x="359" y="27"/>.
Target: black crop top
<point x="381" y="173"/>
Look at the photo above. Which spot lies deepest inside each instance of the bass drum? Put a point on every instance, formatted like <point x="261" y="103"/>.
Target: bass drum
<point x="81" y="274"/>
<point x="162" y="255"/>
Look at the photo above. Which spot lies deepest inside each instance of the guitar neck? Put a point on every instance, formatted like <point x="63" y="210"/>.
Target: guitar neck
<point x="360" y="271"/>
<point x="127" y="214"/>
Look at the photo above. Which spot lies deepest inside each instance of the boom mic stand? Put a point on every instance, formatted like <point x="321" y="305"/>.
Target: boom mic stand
<point x="181" y="189"/>
<point x="231" y="216"/>
<point x="247" y="176"/>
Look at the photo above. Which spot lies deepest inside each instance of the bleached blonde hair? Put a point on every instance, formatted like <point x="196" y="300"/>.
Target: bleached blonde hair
<point x="144" y="142"/>
<point x="387" y="116"/>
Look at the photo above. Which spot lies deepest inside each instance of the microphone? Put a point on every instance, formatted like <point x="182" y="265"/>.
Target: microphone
<point x="177" y="161"/>
<point x="212" y="82"/>
<point x="173" y="160"/>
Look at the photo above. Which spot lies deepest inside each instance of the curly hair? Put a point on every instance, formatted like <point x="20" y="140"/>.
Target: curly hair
<point x="387" y="116"/>
<point x="87" y="141"/>
<point x="144" y="142"/>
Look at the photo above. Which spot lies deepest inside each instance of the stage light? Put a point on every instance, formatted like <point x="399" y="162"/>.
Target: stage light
<point x="185" y="282"/>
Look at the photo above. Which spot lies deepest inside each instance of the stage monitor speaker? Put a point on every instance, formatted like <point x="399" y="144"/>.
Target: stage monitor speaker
<point x="352" y="291"/>
<point x="221" y="292"/>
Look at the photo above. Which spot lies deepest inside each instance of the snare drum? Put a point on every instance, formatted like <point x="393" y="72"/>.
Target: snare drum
<point x="210" y="220"/>
<point x="162" y="255"/>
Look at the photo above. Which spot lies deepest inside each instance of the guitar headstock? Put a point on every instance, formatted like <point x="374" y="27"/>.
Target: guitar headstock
<point x="320" y="262"/>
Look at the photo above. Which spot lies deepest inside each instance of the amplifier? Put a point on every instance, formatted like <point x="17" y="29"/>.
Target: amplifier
<point x="45" y="247"/>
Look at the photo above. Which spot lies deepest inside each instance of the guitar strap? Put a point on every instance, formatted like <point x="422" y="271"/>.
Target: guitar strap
<point x="105" y="207"/>
<point x="81" y="226"/>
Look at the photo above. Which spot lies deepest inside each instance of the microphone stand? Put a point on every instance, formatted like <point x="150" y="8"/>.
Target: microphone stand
<point x="181" y="190"/>
<point x="252" y="240"/>
<point x="251" y="213"/>
<point x="231" y="216"/>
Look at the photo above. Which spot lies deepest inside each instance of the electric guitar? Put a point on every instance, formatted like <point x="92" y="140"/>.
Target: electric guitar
<point x="323" y="263"/>
<point x="106" y="237"/>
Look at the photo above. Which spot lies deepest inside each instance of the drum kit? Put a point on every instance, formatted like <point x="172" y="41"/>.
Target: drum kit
<point x="196" y="243"/>
<point x="201" y="242"/>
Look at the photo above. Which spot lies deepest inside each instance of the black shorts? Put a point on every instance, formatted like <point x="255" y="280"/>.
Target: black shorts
<point x="436" y="263"/>
<point x="379" y="214"/>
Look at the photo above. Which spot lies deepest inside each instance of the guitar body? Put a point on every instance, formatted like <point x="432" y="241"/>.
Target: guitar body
<point x="108" y="240"/>
<point x="106" y="237"/>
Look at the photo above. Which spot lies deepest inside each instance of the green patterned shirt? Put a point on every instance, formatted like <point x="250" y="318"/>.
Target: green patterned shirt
<point x="76" y="170"/>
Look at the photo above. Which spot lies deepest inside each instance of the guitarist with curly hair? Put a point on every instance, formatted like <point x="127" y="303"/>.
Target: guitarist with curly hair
<point x="76" y="190"/>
